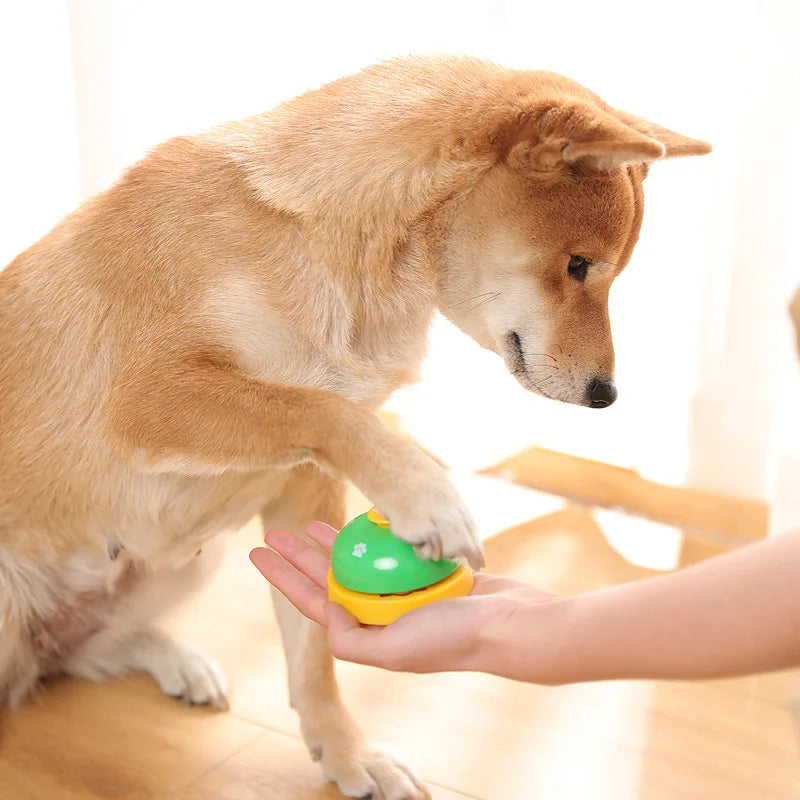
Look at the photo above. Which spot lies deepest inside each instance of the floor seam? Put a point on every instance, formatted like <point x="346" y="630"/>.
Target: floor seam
<point x="212" y="767"/>
<point x="298" y="738"/>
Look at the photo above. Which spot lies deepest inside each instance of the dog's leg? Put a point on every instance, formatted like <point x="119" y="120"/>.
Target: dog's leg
<point x="131" y="644"/>
<point x="200" y="414"/>
<point x="359" y="768"/>
<point x="180" y="670"/>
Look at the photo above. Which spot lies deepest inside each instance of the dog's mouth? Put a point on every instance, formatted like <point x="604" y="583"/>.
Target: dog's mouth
<point x="518" y="367"/>
<point x="545" y="379"/>
<point x="517" y="356"/>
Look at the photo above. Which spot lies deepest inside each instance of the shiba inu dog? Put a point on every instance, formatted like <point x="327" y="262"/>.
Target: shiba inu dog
<point x="209" y="340"/>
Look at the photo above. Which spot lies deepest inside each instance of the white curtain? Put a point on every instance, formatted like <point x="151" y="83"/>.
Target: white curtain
<point x="709" y="385"/>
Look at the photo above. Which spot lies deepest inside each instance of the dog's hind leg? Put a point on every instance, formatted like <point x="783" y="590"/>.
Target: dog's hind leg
<point x="333" y="737"/>
<point x="132" y="644"/>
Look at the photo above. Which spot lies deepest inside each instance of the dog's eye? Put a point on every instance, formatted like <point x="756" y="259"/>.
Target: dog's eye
<point x="578" y="267"/>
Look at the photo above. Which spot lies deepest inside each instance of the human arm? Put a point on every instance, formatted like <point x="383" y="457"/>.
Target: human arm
<point x="735" y="614"/>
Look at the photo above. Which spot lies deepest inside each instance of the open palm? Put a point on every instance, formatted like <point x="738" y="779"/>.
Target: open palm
<point x="445" y="635"/>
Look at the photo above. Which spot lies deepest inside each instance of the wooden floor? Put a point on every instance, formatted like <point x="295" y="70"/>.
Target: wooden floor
<point x="471" y="736"/>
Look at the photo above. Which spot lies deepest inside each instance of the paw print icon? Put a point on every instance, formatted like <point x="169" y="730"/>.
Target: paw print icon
<point x="359" y="549"/>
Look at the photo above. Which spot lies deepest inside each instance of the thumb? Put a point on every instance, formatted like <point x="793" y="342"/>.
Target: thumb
<point x="350" y="641"/>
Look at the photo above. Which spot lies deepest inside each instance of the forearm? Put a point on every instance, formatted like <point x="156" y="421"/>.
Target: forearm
<point x="732" y="615"/>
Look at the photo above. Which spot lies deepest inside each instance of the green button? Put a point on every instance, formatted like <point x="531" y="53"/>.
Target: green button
<point x="368" y="558"/>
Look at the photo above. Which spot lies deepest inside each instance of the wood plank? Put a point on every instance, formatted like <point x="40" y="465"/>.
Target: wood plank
<point x="693" y="551"/>
<point x="595" y="483"/>
<point x="122" y="739"/>
<point x="275" y="767"/>
<point x="719" y="748"/>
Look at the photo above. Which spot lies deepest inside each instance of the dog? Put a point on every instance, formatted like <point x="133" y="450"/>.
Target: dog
<point x="210" y="338"/>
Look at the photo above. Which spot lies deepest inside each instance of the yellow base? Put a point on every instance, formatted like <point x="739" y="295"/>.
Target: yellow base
<point x="381" y="609"/>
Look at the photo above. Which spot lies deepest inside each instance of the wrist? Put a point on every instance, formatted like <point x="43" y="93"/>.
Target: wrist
<point x="532" y="640"/>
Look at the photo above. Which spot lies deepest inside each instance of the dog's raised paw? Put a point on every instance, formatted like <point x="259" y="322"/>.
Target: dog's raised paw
<point x="438" y="525"/>
<point x="373" y="772"/>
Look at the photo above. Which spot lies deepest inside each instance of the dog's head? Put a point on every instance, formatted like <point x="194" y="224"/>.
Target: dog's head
<point x="530" y="253"/>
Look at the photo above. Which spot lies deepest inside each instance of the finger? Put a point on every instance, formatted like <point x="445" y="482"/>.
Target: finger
<point x="322" y="534"/>
<point x="299" y="590"/>
<point x="300" y="554"/>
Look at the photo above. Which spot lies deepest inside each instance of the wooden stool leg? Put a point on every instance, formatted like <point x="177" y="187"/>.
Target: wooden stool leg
<point x="693" y="550"/>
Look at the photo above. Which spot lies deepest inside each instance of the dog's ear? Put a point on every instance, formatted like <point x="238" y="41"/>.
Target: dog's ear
<point x="675" y="144"/>
<point x="579" y="135"/>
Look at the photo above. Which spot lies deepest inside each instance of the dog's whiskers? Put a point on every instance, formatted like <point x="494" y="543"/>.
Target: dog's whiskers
<point x="541" y="387"/>
<point x="474" y="297"/>
<point x="483" y="302"/>
<point x="546" y="382"/>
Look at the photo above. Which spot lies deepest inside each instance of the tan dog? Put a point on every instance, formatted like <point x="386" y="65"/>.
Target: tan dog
<point x="210" y="338"/>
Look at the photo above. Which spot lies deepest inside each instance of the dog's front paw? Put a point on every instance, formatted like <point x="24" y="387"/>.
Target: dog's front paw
<point x="370" y="771"/>
<point x="426" y="511"/>
<point x="183" y="672"/>
<point x="195" y="679"/>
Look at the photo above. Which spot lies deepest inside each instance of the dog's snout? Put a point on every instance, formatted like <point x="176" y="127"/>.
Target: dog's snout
<point x="602" y="393"/>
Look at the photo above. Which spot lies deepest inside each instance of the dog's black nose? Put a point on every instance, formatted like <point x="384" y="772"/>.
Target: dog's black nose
<point x="602" y="393"/>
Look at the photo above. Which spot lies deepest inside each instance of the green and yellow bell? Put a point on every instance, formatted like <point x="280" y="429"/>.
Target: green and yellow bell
<point x="378" y="577"/>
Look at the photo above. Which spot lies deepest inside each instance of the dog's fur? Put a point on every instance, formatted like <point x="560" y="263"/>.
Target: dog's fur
<point x="209" y="339"/>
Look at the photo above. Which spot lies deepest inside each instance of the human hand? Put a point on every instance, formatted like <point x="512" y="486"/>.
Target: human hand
<point x="464" y="633"/>
<point x="671" y="626"/>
